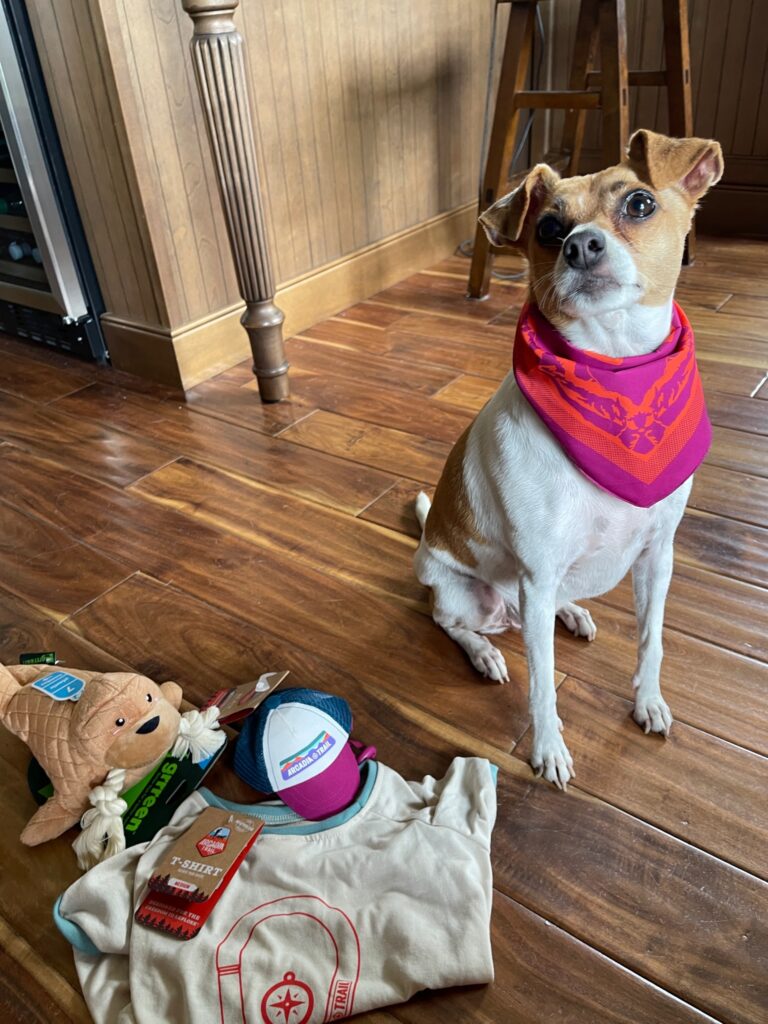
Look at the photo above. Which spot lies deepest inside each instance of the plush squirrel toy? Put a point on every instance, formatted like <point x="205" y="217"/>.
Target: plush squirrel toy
<point x="96" y="734"/>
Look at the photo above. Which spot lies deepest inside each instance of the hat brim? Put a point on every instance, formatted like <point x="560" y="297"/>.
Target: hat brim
<point x="329" y="792"/>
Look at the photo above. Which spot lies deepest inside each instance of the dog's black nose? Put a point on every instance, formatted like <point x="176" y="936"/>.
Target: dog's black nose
<point x="149" y="726"/>
<point x="583" y="250"/>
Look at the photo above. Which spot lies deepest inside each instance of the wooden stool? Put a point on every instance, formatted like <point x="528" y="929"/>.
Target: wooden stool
<point x="603" y="23"/>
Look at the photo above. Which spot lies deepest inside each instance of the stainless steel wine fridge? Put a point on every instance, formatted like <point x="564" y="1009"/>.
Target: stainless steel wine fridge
<point x="48" y="289"/>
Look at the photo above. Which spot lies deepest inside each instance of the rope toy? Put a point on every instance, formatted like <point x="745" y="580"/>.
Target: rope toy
<point x="102" y="833"/>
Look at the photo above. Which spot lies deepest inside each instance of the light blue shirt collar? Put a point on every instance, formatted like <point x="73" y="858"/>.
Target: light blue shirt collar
<point x="281" y="820"/>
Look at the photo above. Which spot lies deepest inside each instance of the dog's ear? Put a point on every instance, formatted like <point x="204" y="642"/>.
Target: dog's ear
<point x="504" y="221"/>
<point x="693" y="165"/>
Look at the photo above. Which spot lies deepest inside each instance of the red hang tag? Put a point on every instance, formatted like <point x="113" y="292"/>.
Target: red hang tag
<point x="240" y="701"/>
<point x="183" y="890"/>
<point x="198" y="861"/>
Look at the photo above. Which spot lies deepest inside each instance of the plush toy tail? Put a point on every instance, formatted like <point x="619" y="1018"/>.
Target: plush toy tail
<point x="9" y="687"/>
<point x="102" y="824"/>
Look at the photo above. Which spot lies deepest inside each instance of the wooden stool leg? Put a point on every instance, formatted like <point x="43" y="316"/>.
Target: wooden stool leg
<point x="514" y="68"/>
<point x="678" y="59"/>
<point x="615" y="82"/>
<point x="583" y="59"/>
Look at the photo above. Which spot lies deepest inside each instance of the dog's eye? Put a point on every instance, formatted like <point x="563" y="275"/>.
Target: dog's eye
<point x="639" y="204"/>
<point x="550" y="230"/>
<point x="119" y="722"/>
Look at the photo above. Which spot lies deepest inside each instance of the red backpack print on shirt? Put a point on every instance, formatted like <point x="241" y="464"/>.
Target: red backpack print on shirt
<point x="321" y="968"/>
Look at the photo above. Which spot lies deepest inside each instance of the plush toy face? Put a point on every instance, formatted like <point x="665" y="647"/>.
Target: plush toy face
<point x="132" y="724"/>
<point x="150" y="726"/>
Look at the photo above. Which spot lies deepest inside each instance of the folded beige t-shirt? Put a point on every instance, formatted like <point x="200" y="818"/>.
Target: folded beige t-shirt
<point x="322" y="920"/>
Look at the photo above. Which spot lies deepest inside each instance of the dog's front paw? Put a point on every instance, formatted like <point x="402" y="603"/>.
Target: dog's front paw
<point x="552" y="759"/>
<point x="653" y="714"/>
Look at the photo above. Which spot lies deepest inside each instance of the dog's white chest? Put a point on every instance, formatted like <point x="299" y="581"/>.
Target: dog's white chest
<point x="612" y="536"/>
<point x="530" y="499"/>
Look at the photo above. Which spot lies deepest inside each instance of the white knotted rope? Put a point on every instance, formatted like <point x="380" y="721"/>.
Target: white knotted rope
<point x="102" y="824"/>
<point x="199" y="735"/>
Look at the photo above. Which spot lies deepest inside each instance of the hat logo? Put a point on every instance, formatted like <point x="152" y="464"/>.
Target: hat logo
<point x="288" y="1002"/>
<point x="307" y="756"/>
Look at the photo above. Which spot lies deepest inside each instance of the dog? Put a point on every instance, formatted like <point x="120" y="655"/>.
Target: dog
<point x="517" y="533"/>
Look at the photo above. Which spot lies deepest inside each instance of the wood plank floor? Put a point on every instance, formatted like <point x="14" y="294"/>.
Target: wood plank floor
<point x="206" y="537"/>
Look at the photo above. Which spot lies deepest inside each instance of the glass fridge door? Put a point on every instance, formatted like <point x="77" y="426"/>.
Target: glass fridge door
<point x="37" y="265"/>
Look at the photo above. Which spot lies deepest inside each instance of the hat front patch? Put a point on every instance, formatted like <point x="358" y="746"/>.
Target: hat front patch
<point x="303" y="759"/>
<point x="300" y="743"/>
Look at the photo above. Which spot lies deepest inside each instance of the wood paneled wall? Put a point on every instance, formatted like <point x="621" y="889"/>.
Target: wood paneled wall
<point x="369" y="120"/>
<point x="369" y="117"/>
<point x="122" y="90"/>
<point x="88" y="124"/>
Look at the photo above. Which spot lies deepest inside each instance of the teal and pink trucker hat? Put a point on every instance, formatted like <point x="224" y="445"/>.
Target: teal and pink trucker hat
<point x="298" y="746"/>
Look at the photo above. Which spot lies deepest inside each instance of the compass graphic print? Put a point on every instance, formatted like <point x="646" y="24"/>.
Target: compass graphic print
<point x="288" y="1002"/>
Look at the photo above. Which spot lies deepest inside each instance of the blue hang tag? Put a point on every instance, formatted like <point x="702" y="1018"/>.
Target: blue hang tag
<point x="60" y="686"/>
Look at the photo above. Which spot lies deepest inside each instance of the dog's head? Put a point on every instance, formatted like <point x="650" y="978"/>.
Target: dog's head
<point x="607" y="241"/>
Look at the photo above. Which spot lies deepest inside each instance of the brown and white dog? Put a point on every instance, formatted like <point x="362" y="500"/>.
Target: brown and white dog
<point x="516" y="533"/>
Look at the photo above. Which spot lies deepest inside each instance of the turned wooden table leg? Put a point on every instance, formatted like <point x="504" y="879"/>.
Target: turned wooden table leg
<point x="217" y="53"/>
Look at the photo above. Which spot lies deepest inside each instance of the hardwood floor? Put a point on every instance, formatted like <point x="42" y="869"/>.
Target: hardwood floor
<point x="206" y="537"/>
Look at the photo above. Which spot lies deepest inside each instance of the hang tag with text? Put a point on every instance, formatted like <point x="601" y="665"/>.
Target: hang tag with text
<point x="197" y="863"/>
<point x="190" y="879"/>
<point x="59" y="686"/>
<point x="240" y="701"/>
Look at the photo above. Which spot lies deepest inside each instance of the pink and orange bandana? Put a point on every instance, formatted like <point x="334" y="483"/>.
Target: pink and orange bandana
<point x="635" y="426"/>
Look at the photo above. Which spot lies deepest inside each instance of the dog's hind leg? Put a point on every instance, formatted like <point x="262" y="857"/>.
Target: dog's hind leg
<point x="463" y="606"/>
<point x="487" y="659"/>
<point x="577" y="620"/>
<point x="466" y="608"/>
